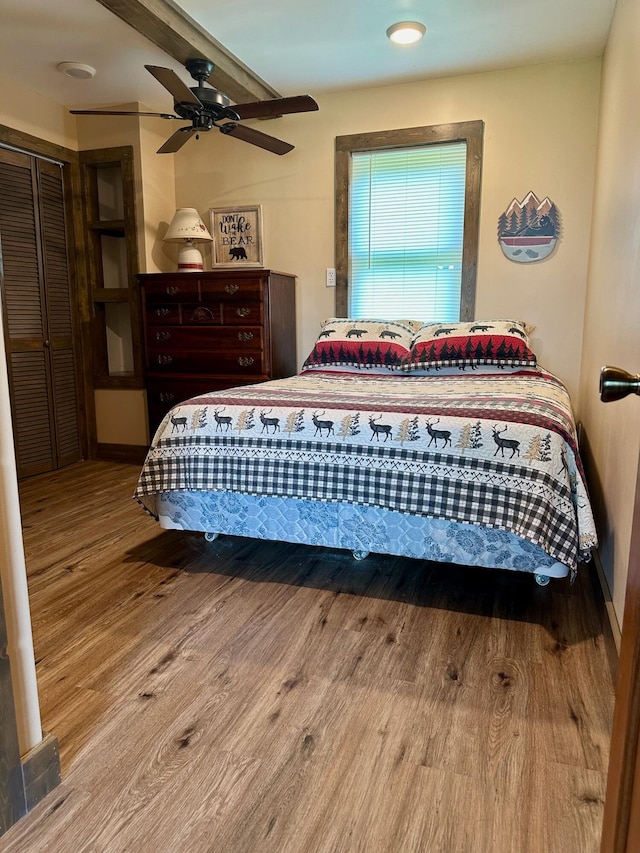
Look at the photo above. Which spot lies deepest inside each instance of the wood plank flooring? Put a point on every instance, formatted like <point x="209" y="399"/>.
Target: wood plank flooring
<point x="241" y="696"/>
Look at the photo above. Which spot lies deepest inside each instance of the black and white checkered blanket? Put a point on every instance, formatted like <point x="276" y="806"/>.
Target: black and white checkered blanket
<point x="497" y="451"/>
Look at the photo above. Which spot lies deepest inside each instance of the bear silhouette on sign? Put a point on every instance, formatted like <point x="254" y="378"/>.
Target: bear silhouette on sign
<point x="238" y="253"/>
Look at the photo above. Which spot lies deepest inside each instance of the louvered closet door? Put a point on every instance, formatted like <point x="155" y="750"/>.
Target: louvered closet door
<point x="58" y="312"/>
<point x="37" y="314"/>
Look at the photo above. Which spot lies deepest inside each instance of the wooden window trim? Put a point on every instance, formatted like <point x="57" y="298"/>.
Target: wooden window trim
<point x="470" y="132"/>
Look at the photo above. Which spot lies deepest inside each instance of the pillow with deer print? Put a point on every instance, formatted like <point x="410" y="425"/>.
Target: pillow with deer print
<point x="490" y="346"/>
<point x="368" y="346"/>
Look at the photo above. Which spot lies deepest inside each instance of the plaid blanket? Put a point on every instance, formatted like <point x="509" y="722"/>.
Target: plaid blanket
<point x="498" y="451"/>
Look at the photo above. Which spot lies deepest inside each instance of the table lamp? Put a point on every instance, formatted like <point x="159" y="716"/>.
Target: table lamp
<point x="186" y="227"/>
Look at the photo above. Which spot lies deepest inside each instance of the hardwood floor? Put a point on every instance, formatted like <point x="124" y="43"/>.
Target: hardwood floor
<point x="241" y="696"/>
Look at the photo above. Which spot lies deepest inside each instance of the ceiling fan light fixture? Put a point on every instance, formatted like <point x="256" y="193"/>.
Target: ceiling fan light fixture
<point x="205" y="107"/>
<point x="77" y="70"/>
<point x="406" y="32"/>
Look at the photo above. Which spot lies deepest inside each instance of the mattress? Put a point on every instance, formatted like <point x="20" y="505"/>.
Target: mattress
<point x="360" y="529"/>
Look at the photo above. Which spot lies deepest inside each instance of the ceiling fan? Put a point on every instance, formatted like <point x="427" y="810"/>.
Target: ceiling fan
<point x="206" y="107"/>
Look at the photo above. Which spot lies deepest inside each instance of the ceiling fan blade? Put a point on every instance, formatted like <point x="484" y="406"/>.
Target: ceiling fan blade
<point x="182" y="94"/>
<point x="256" y="137"/>
<point x="177" y="140"/>
<point x="276" y="107"/>
<point x="120" y="113"/>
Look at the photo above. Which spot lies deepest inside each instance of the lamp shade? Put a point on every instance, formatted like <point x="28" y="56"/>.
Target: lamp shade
<point x="187" y="227"/>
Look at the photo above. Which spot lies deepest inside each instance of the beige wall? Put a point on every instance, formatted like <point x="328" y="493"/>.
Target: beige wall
<point x="540" y="135"/>
<point x="121" y="416"/>
<point x="24" y="110"/>
<point x="159" y="183"/>
<point x="612" y="320"/>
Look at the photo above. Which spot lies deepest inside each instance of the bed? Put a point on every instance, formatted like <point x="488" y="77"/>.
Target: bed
<point x="439" y="442"/>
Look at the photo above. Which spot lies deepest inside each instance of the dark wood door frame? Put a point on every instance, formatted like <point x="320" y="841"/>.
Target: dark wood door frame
<point x="621" y="824"/>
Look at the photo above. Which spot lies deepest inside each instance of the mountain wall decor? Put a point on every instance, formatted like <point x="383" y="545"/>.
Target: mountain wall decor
<point x="529" y="230"/>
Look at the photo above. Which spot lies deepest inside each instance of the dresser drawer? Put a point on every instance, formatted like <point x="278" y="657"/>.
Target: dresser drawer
<point x="182" y="289"/>
<point x="219" y="339"/>
<point x="231" y="288"/>
<point x="200" y="315"/>
<point x="187" y="314"/>
<point x="170" y="360"/>
<point x="169" y="314"/>
<point x="167" y="391"/>
<point x="242" y="313"/>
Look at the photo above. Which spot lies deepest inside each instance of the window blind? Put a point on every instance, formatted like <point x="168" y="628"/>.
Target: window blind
<point x="406" y="226"/>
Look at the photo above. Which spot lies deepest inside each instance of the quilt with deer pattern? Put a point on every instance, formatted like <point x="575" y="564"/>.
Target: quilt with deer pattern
<point x="498" y="451"/>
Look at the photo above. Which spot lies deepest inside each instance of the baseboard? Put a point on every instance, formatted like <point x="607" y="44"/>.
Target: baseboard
<point x="134" y="453"/>
<point x="40" y="770"/>
<point x="609" y="621"/>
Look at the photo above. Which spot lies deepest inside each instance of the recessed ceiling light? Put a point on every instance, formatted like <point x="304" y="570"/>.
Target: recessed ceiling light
<point x="406" y="32"/>
<point x="78" y="70"/>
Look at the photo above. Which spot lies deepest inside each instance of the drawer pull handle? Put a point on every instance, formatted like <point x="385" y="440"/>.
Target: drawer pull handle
<point x="232" y="288"/>
<point x="245" y="336"/>
<point x="243" y="312"/>
<point x="202" y="314"/>
<point x="166" y="397"/>
<point x="162" y="312"/>
<point x="163" y="336"/>
<point x="165" y="359"/>
<point x="172" y="289"/>
<point x="245" y="361"/>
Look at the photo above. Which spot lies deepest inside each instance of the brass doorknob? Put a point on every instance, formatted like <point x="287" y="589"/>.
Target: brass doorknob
<point x="616" y="383"/>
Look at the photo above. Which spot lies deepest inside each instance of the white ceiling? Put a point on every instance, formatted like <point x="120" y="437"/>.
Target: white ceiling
<point x="296" y="47"/>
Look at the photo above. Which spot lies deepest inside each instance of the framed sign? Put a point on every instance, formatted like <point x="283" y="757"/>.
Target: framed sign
<point x="237" y="236"/>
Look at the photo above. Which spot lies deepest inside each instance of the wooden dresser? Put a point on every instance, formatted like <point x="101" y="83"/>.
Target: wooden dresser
<point x="212" y="330"/>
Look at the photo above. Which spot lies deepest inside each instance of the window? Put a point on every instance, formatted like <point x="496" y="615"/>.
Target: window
<point x="407" y="222"/>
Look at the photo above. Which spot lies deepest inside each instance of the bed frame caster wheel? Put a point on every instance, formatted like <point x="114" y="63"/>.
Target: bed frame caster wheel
<point x="360" y="555"/>
<point x="210" y="537"/>
<point x="542" y="580"/>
